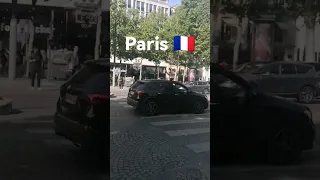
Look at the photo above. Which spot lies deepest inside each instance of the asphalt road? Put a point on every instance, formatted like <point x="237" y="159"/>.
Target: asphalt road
<point x="308" y="169"/>
<point x="30" y="150"/>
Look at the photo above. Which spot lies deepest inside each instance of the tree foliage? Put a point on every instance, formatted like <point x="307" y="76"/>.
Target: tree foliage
<point x="192" y="18"/>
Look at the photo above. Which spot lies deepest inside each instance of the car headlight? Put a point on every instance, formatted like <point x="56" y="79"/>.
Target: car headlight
<point x="308" y="114"/>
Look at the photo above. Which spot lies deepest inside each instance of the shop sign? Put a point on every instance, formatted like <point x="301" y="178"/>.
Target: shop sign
<point x="39" y="30"/>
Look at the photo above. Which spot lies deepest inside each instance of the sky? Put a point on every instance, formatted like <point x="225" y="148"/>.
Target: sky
<point x="174" y="2"/>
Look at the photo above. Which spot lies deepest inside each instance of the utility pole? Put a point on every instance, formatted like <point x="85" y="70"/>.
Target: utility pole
<point x="114" y="49"/>
<point x="13" y="41"/>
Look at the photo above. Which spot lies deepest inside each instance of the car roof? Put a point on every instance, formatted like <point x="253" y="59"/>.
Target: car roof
<point x="156" y="80"/>
<point x="101" y="61"/>
<point x="292" y="62"/>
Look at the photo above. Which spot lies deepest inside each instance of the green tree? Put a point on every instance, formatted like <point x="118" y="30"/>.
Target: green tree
<point x="150" y="28"/>
<point x="123" y="23"/>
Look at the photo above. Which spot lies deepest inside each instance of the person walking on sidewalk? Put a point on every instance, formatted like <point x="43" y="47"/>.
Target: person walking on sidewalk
<point x="121" y="83"/>
<point x="36" y="64"/>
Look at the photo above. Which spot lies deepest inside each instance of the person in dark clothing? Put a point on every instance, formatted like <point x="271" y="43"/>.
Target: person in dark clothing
<point x="36" y="65"/>
<point x="121" y="83"/>
<point x="4" y="61"/>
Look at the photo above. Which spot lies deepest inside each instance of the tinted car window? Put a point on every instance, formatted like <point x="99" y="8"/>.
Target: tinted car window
<point x="97" y="84"/>
<point x="179" y="88"/>
<point x="86" y="73"/>
<point x="166" y="87"/>
<point x="224" y="88"/>
<point x="273" y="69"/>
<point x="138" y="85"/>
<point x="301" y="69"/>
<point x="288" y="69"/>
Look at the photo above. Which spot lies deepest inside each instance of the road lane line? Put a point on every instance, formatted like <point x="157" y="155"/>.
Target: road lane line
<point x="189" y="121"/>
<point x="199" y="147"/>
<point x="186" y="132"/>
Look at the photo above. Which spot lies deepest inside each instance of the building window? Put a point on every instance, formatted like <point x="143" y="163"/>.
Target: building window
<point x="129" y="3"/>
<point x="166" y="11"/>
<point x="142" y="6"/>
<point x="150" y="7"/>
<point x="138" y="5"/>
<point x="134" y="4"/>
<point x="155" y="8"/>
<point x="162" y="10"/>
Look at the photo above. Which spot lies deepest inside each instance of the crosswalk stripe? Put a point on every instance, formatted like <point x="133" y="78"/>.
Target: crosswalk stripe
<point x="40" y="130"/>
<point x="189" y="121"/>
<point x="186" y="132"/>
<point x="199" y="147"/>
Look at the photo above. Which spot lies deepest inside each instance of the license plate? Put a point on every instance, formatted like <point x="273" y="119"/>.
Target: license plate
<point x="71" y="99"/>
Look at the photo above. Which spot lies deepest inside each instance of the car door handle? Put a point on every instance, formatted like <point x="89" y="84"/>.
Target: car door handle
<point x="160" y="93"/>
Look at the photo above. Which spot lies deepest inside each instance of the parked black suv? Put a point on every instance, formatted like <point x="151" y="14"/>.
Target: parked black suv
<point x="81" y="108"/>
<point x="151" y="97"/>
<point x="247" y="121"/>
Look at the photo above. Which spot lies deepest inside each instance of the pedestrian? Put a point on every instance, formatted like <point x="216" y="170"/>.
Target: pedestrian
<point x="121" y="83"/>
<point x="36" y="65"/>
<point x="3" y="61"/>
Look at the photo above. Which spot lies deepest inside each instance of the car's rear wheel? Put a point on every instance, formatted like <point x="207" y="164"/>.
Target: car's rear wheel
<point x="306" y="94"/>
<point x="150" y="108"/>
<point x="285" y="147"/>
<point x="198" y="107"/>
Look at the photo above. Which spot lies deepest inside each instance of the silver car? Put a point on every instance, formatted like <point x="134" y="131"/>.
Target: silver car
<point x="199" y="86"/>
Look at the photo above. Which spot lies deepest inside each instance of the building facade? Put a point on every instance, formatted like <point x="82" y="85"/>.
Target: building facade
<point x="147" y="6"/>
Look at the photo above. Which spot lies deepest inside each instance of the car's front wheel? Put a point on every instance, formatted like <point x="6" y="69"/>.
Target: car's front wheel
<point x="306" y="94"/>
<point x="285" y="147"/>
<point x="198" y="107"/>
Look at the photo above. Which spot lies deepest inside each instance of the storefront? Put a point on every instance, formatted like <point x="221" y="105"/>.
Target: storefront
<point x="57" y="25"/>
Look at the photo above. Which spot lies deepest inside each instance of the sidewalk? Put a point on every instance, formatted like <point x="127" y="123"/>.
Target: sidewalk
<point x="119" y="93"/>
<point x="30" y="103"/>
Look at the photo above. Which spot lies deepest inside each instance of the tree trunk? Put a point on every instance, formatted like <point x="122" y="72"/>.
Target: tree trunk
<point x="237" y="46"/>
<point x="98" y="36"/>
<point x="176" y="73"/>
<point x="310" y="45"/>
<point x="184" y="74"/>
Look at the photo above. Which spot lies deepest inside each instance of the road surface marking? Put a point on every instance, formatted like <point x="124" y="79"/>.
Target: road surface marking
<point x="58" y="142"/>
<point x="114" y="132"/>
<point x="199" y="147"/>
<point x="40" y="130"/>
<point x="164" y="123"/>
<point x="186" y="132"/>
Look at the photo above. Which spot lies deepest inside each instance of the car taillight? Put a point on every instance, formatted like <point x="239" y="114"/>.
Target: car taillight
<point x="98" y="98"/>
<point x="140" y="92"/>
